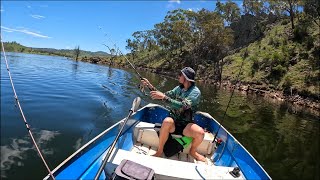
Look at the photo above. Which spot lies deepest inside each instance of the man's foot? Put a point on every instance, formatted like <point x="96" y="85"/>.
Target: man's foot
<point x="198" y="156"/>
<point x="157" y="154"/>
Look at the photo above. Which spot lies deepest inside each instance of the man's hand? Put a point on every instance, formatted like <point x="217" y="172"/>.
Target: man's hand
<point x="157" y="95"/>
<point x="145" y="81"/>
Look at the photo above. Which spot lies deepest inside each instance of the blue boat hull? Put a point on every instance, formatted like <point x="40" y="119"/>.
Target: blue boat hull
<point x="85" y="162"/>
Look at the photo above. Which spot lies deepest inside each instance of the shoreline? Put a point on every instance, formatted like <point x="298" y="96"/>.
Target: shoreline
<point x="279" y="96"/>
<point x="297" y="101"/>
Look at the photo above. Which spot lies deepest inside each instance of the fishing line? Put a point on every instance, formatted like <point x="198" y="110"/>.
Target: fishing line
<point x="225" y="112"/>
<point x="21" y="112"/>
<point x="120" y="52"/>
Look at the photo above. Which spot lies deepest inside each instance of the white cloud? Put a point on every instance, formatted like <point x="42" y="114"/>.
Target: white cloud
<point x="171" y="4"/>
<point x="25" y="31"/>
<point x="5" y="30"/>
<point x="16" y="152"/>
<point x="190" y="9"/>
<point x="78" y="144"/>
<point x="37" y="16"/>
<point x="29" y="7"/>
<point x="175" y="1"/>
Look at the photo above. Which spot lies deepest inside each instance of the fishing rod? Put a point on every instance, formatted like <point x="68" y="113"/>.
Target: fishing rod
<point x="225" y="112"/>
<point x="22" y="114"/>
<point x="135" y="106"/>
<point x="133" y="67"/>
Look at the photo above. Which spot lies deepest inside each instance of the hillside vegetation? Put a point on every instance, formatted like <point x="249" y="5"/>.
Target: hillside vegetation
<point x="278" y="43"/>
<point x="280" y="60"/>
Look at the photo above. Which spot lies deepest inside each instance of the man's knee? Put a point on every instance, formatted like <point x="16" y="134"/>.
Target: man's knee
<point x="194" y="130"/>
<point x="200" y="132"/>
<point x="168" y="122"/>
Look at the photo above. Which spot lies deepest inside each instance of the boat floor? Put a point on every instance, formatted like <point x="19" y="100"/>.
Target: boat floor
<point x="180" y="166"/>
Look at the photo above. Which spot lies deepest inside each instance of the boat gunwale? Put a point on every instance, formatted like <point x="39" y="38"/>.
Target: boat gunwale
<point x="86" y="145"/>
<point x="205" y="114"/>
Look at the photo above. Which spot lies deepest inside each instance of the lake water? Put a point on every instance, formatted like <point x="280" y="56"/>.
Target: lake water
<point x="67" y="103"/>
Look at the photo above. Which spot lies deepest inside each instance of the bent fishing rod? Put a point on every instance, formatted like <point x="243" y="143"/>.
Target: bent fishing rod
<point x="22" y="114"/>
<point x="133" y="67"/>
<point x="225" y="112"/>
<point x="136" y="71"/>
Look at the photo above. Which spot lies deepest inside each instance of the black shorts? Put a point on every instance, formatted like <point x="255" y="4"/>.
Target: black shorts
<point x="179" y="127"/>
<point x="179" y="124"/>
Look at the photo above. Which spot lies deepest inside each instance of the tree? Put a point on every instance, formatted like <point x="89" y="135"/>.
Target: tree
<point x="229" y="11"/>
<point x="215" y="40"/>
<point x="312" y="10"/>
<point x="77" y="52"/>
<point x="254" y="7"/>
<point x="282" y="7"/>
<point x="113" y="53"/>
<point x="176" y="31"/>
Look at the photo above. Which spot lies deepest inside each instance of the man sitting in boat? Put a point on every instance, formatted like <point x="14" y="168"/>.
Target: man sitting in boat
<point x="183" y="101"/>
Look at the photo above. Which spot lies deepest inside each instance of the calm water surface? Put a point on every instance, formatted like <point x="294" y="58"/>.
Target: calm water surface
<point x="67" y="103"/>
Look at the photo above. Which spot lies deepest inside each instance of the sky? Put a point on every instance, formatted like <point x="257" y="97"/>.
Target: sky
<point x="89" y="24"/>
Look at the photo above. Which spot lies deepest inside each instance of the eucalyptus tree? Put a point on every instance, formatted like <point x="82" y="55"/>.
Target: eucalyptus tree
<point x="229" y="11"/>
<point x="312" y="10"/>
<point x="215" y="41"/>
<point x="132" y="46"/>
<point x="283" y="7"/>
<point x="175" y="31"/>
<point x="254" y="7"/>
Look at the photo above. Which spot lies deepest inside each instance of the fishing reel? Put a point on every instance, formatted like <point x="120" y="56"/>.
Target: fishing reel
<point x="218" y="142"/>
<point x="141" y="88"/>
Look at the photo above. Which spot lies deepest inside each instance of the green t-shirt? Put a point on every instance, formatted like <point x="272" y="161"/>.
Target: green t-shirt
<point x="182" y="102"/>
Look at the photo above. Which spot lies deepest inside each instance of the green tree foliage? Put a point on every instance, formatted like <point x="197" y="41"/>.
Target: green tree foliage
<point x="202" y="39"/>
<point x="229" y="11"/>
<point x="202" y="35"/>
<point x="215" y="38"/>
<point x="312" y="10"/>
<point x="254" y="7"/>
<point x="176" y="30"/>
<point x="283" y="7"/>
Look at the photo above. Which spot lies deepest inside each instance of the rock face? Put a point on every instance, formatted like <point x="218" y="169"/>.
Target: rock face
<point x="250" y="28"/>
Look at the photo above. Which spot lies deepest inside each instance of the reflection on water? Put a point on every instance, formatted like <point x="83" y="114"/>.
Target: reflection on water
<point x="78" y="144"/>
<point x="16" y="151"/>
<point x="71" y="102"/>
<point x="75" y="67"/>
<point x="110" y="71"/>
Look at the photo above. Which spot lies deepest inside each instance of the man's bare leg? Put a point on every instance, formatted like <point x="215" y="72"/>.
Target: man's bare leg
<point x="166" y="128"/>
<point x="197" y="133"/>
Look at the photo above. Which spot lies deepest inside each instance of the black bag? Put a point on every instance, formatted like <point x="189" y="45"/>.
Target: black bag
<point x="131" y="170"/>
<point x="172" y="147"/>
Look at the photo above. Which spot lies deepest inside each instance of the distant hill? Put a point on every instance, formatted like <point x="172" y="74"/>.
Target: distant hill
<point x="16" y="47"/>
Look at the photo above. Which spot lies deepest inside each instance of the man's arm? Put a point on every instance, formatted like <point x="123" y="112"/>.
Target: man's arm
<point x="185" y="103"/>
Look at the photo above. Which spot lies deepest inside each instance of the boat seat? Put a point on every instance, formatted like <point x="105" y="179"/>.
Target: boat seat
<point x="171" y="169"/>
<point x="146" y="133"/>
